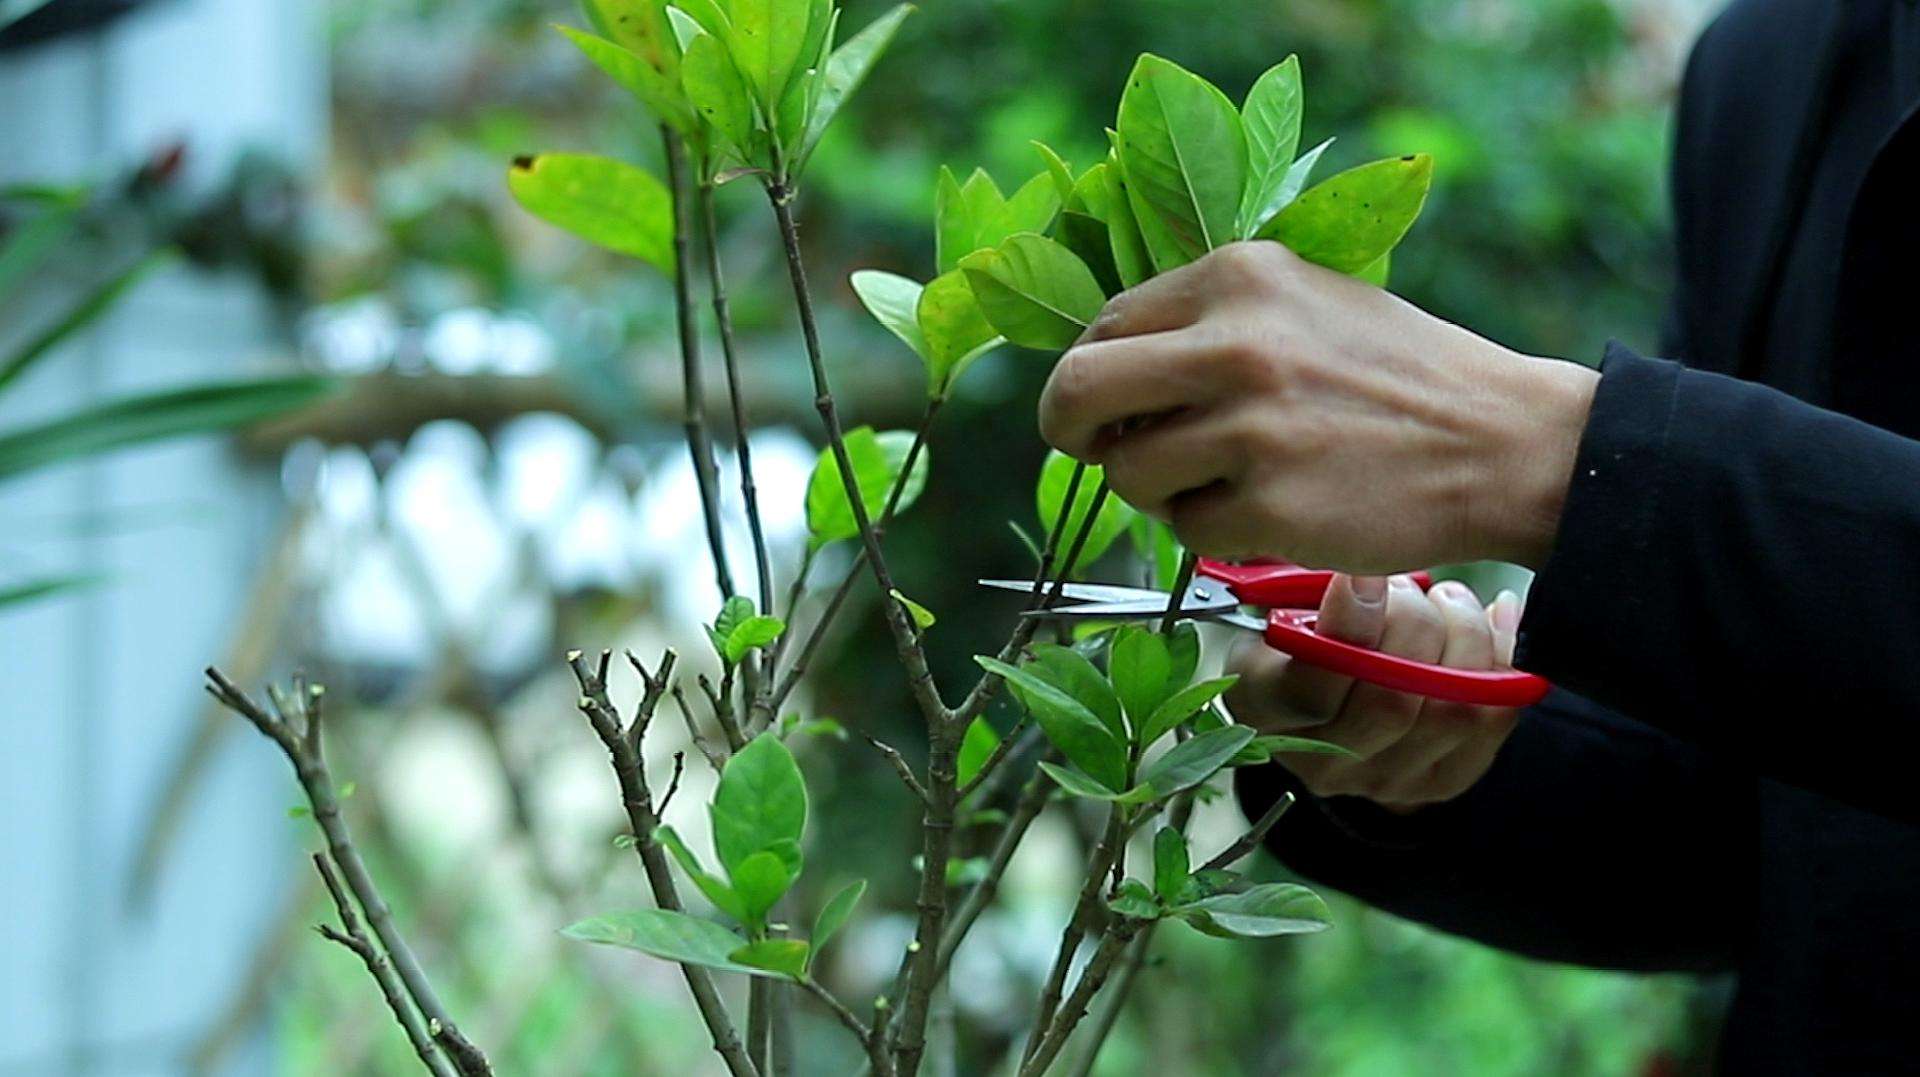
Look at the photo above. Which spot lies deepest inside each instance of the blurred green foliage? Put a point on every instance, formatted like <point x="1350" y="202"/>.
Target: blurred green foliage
<point x="1546" y="230"/>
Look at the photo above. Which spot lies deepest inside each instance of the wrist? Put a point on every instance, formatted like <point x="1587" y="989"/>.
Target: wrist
<point x="1534" y="455"/>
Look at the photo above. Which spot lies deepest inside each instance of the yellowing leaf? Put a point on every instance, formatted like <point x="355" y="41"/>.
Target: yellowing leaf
<point x="609" y="203"/>
<point x="1349" y="221"/>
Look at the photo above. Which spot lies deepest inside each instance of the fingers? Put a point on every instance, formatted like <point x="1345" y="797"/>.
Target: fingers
<point x="1166" y="302"/>
<point x="1191" y="451"/>
<point x="1505" y="615"/>
<point x="1097" y="385"/>
<point x="1375" y="717"/>
<point x="1353" y="611"/>
<point x="1406" y="767"/>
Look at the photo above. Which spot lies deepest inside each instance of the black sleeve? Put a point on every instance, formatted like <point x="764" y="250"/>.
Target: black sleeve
<point x="1742" y="570"/>
<point x="1592" y="840"/>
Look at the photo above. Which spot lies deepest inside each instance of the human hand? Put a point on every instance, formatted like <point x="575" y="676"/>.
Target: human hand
<point x="1409" y="751"/>
<point x="1265" y="406"/>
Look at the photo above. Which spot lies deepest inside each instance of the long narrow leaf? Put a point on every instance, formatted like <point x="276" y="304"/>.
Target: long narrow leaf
<point x="153" y="416"/>
<point x="90" y="307"/>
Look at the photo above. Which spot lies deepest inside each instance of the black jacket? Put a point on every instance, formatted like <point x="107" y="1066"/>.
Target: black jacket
<point x="1734" y="593"/>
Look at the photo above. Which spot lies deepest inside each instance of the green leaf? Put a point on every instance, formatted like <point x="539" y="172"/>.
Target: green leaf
<point x="1034" y="291"/>
<point x="1182" y="705"/>
<point x="847" y="68"/>
<point x="877" y="460"/>
<point x="761" y="802"/>
<point x="1071" y="672"/>
<point x="975" y="749"/>
<point x="761" y="880"/>
<point x="893" y="301"/>
<point x="923" y="617"/>
<point x="154" y="416"/>
<point x="1050" y="495"/>
<point x="1032" y="208"/>
<point x="1194" y="760"/>
<point x="752" y="634"/>
<point x="1376" y="272"/>
<point x="1169" y="863"/>
<point x="661" y="93"/>
<point x="1263" y="748"/>
<point x="1348" y="221"/>
<point x="958" y="213"/>
<point x="781" y="957"/>
<point x="29" y="244"/>
<point x="1135" y="900"/>
<point x="83" y="313"/>
<point x="1271" y="117"/>
<point x="716" y="889"/>
<point x="1139" y="664"/>
<point x="1131" y="259"/>
<point x="836" y="912"/>
<point x="1069" y="724"/>
<point x="733" y="613"/>
<point x="668" y="935"/>
<point x="1087" y="237"/>
<point x="1183" y="651"/>
<point x="719" y="96"/>
<point x="1058" y="170"/>
<point x="14" y="594"/>
<point x="955" y="330"/>
<point x="1077" y="783"/>
<point x="1259" y="912"/>
<point x="1298" y="174"/>
<point x="767" y="40"/>
<point x="639" y="27"/>
<point x="1185" y="152"/>
<point x="608" y="203"/>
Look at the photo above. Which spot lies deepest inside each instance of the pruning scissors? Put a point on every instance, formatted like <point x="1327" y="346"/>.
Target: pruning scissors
<point x="1292" y="595"/>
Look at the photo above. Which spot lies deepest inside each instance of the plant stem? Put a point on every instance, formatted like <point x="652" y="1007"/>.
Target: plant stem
<point x="1112" y="946"/>
<point x="1086" y="911"/>
<point x="699" y="444"/>
<point x="637" y="799"/>
<point x="1115" y="1002"/>
<point x="353" y="938"/>
<point x="759" y="1020"/>
<point x="877" y="1059"/>
<point x="1178" y="595"/>
<point x="722" y="313"/>
<point x="1033" y="800"/>
<point x="906" y="639"/>
<point x="296" y="729"/>
<point x="1041" y="575"/>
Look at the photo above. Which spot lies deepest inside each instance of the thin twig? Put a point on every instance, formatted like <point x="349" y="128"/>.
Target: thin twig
<point x="699" y="443"/>
<point x="643" y="822"/>
<point x="717" y="281"/>
<point x="354" y="938"/>
<point x="994" y="758"/>
<point x="673" y="784"/>
<point x="1042" y="573"/>
<point x="1115" y="1003"/>
<point x="1112" y="946"/>
<point x="1176" y="597"/>
<point x="1086" y="912"/>
<point x="297" y="733"/>
<point x="1250" y="841"/>
<point x="714" y="757"/>
<point x="899" y="765"/>
<point x="870" y="1040"/>
<point x="906" y="638"/>
<point x="1033" y="800"/>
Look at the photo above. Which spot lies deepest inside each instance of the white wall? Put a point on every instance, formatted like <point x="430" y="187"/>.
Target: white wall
<point x="98" y="690"/>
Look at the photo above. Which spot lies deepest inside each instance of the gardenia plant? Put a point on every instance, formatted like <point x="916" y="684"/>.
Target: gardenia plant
<point x="742" y="91"/>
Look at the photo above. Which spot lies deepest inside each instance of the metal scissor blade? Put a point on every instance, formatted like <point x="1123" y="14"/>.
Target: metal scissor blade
<point x="1087" y="592"/>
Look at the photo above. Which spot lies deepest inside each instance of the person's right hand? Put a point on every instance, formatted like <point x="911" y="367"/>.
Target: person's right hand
<point x="1409" y="751"/>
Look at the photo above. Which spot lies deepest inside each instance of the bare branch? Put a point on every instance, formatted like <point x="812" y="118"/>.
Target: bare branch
<point x="699" y="444"/>
<point x="714" y="757"/>
<point x="297" y="732"/>
<point x="1033" y="800"/>
<point x="906" y="638"/>
<point x="673" y="784"/>
<point x="1248" y="842"/>
<point x="1112" y="945"/>
<point x="717" y="285"/>
<point x="900" y="767"/>
<point x="643" y="823"/>
<point x="870" y="1040"/>
<point x="355" y="939"/>
<point x="1087" y="912"/>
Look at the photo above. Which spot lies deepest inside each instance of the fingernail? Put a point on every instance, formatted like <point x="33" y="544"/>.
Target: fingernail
<point x="1457" y="593"/>
<point x="1402" y="582"/>
<point x="1368" y="590"/>
<point x="1506" y="612"/>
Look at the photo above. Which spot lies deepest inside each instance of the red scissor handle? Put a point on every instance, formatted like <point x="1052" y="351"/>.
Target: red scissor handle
<point x="1279" y="584"/>
<point x="1297" y="592"/>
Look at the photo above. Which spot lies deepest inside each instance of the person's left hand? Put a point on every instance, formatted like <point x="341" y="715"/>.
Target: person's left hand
<point x="1266" y="406"/>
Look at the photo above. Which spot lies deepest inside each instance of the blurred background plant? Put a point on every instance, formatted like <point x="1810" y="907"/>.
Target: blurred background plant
<point x="502" y="478"/>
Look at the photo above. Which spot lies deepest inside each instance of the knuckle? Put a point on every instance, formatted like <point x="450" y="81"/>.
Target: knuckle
<point x="1064" y="399"/>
